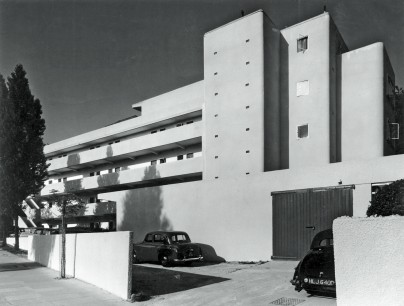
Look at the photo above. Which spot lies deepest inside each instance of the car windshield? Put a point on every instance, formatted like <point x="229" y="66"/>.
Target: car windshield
<point x="179" y="238"/>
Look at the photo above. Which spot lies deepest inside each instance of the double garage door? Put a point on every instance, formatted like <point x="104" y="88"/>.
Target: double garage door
<point x="300" y="214"/>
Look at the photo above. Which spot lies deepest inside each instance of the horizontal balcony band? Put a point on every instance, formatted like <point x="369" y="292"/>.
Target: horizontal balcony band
<point x="119" y="130"/>
<point x="161" y="174"/>
<point x="181" y="137"/>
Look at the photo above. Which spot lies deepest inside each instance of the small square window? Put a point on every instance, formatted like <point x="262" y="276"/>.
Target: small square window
<point x="247" y="63"/>
<point x="247" y="129"/>
<point x="302" y="88"/>
<point x="216" y="93"/>
<point x="215" y="73"/>
<point x="153" y="162"/>
<point x="189" y="122"/>
<point x="64" y="179"/>
<point x="98" y="172"/>
<point x="216" y="177"/>
<point x="116" y="141"/>
<point x="303" y="131"/>
<point x="302" y="44"/>
<point x="153" y="132"/>
<point x="247" y="40"/>
<point x="215" y="53"/>
<point x="216" y="115"/>
<point x="162" y="160"/>
<point x="117" y="169"/>
<point x="110" y="143"/>
<point x="248" y="151"/>
<point x="180" y="124"/>
<point x="190" y="155"/>
<point x="216" y="157"/>
<point x="91" y="173"/>
<point x="109" y="170"/>
<point x="180" y="157"/>
<point x="50" y="181"/>
<point x="247" y="84"/>
<point x="59" y="180"/>
<point x="216" y="136"/>
<point x="163" y="129"/>
<point x="247" y="107"/>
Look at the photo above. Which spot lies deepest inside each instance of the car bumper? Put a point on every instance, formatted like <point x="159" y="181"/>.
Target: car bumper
<point x="200" y="258"/>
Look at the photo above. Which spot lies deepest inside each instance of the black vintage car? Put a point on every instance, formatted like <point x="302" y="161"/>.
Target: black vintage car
<point x="315" y="273"/>
<point x="167" y="248"/>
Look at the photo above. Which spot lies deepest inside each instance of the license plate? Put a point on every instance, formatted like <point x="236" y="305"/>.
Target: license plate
<point x="321" y="282"/>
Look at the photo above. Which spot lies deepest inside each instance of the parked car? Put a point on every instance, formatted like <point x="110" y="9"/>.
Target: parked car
<point x="167" y="248"/>
<point x="315" y="273"/>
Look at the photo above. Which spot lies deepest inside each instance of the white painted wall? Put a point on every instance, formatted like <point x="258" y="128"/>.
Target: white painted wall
<point x="23" y="242"/>
<point x="369" y="259"/>
<point x="362" y="92"/>
<point x="101" y="259"/>
<point x="235" y="52"/>
<point x="224" y="212"/>
<point x="313" y="109"/>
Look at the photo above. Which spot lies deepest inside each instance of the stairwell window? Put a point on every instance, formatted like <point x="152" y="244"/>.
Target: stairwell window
<point x="303" y="131"/>
<point x="302" y="44"/>
<point x="302" y="88"/>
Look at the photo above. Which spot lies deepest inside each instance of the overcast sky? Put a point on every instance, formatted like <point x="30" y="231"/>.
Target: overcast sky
<point x="89" y="61"/>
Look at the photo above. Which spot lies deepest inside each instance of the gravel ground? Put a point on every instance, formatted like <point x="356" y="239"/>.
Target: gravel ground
<point x="264" y="283"/>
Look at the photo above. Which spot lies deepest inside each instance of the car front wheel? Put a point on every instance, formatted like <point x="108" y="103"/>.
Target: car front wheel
<point x="164" y="260"/>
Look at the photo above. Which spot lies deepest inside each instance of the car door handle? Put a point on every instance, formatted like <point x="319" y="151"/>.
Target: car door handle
<point x="312" y="227"/>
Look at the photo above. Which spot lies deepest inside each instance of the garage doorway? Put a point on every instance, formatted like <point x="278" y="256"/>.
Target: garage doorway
<point x="298" y="215"/>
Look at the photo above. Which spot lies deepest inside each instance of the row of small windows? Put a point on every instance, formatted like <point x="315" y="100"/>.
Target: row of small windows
<point x="117" y="141"/>
<point x="119" y="169"/>
<point x="177" y="125"/>
<point x="164" y="160"/>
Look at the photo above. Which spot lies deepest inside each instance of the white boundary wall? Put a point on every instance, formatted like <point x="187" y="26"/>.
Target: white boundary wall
<point x="23" y="242"/>
<point x="369" y="260"/>
<point x="101" y="259"/>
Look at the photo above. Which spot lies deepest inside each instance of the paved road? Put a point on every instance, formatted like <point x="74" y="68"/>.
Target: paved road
<point x="26" y="283"/>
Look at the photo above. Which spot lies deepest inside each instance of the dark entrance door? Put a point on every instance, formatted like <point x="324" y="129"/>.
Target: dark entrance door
<point x="300" y="214"/>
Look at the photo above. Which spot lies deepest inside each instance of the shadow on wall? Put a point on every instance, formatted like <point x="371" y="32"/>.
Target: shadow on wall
<point x="73" y="159"/>
<point x="42" y="249"/>
<point x="209" y="254"/>
<point x="143" y="209"/>
<point x="154" y="281"/>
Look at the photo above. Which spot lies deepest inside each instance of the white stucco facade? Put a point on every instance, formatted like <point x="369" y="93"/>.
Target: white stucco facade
<point x="205" y="158"/>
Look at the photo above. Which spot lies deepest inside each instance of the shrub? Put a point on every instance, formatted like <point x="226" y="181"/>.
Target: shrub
<point x="388" y="201"/>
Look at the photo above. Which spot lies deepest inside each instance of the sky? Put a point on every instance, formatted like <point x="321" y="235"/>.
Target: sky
<point x="88" y="61"/>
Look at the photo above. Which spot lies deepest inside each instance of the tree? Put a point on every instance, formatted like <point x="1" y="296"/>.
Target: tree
<point x="388" y="201"/>
<point x="6" y="123"/>
<point x="69" y="204"/>
<point x="23" y="164"/>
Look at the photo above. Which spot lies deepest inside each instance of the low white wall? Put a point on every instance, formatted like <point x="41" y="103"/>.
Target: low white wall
<point x="369" y="260"/>
<point x="105" y="260"/>
<point x="101" y="259"/>
<point x="23" y="242"/>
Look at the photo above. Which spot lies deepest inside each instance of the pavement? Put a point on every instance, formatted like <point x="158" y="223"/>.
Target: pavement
<point x="23" y="282"/>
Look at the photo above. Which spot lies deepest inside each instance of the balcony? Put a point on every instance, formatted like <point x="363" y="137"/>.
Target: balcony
<point x="161" y="174"/>
<point x="183" y="136"/>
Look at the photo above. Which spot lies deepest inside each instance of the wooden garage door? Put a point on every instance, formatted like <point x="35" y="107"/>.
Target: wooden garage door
<point x="300" y="214"/>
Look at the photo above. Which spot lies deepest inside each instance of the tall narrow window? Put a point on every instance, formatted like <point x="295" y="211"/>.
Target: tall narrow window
<point x="394" y="130"/>
<point x="302" y="44"/>
<point x="303" y="131"/>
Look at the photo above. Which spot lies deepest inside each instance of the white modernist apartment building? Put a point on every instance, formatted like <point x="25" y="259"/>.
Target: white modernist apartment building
<point x="287" y="131"/>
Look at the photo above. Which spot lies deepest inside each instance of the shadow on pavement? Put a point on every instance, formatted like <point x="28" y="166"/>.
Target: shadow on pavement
<point x="6" y="267"/>
<point x="155" y="281"/>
